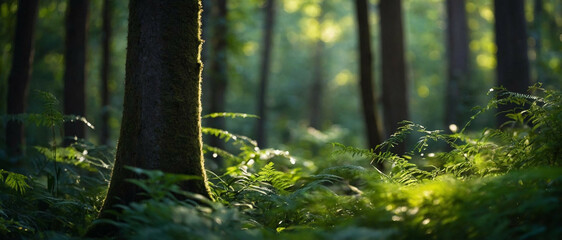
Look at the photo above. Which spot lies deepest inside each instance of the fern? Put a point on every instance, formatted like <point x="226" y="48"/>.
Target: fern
<point x="230" y="115"/>
<point x="14" y="181"/>
<point x="227" y="136"/>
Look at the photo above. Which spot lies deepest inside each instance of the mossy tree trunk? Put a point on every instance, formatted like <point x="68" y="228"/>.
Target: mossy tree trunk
<point x="511" y="39"/>
<point x="458" y="68"/>
<point x="269" y="12"/>
<point x="161" y="127"/>
<point x="368" y="94"/>
<point x="20" y="73"/>
<point x="394" y="85"/>
<point x="75" y="68"/>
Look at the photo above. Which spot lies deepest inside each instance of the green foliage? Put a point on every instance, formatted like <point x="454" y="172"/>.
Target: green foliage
<point x="498" y="184"/>
<point x="15" y="181"/>
<point x="230" y="115"/>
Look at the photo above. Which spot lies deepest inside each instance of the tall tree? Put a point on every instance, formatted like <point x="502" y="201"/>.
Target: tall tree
<point x="367" y="88"/>
<point x="511" y="40"/>
<point x="105" y="70"/>
<point x="269" y="12"/>
<point x="394" y="86"/>
<point x="20" y="73"/>
<point x="537" y="31"/>
<point x="75" y="68"/>
<point x="317" y="87"/>
<point x="218" y="76"/>
<point x="457" y="53"/>
<point x="161" y="127"/>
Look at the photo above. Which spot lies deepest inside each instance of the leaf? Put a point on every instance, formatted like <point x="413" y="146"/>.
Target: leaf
<point x="230" y="115"/>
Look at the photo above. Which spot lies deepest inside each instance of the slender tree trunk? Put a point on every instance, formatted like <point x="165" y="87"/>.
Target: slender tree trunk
<point x="264" y="71"/>
<point x="206" y="28"/>
<point x="368" y="98"/>
<point x="537" y="24"/>
<point x="458" y="68"/>
<point x="105" y="68"/>
<point x="161" y="127"/>
<point x="75" y="68"/>
<point x="394" y="87"/>
<point x="218" y="75"/>
<point x="511" y="40"/>
<point x="317" y="87"/>
<point x="20" y="73"/>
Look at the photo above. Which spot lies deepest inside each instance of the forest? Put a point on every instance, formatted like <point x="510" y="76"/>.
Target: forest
<point x="281" y="119"/>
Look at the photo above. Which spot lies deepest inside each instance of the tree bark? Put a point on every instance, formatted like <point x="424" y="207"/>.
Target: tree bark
<point x="317" y="87"/>
<point x="161" y="127"/>
<point x="269" y="12"/>
<point x="105" y="70"/>
<point x="458" y="68"/>
<point x="367" y="88"/>
<point x="511" y="40"/>
<point x="75" y="68"/>
<point x="537" y="25"/>
<point x="20" y="73"/>
<point x="394" y="87"/>
<point x="218" y="74"/>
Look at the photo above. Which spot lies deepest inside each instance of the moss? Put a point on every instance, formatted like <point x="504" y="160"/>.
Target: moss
<point x="161" y="126"/>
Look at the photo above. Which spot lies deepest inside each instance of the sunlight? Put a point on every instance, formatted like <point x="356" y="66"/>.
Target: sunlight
<point x="554" y="63"/>
<point x="423" y="91"/>
<point x="486" y="61"/>
<point x="311" y="28"/>
<point x="249" y="48"/>
<point x="487" y="14"/>
<point x="330" y="31"/>
<point x="291" y="6"/>
<point x="312" y="10"/>
<point x="453" y="128"/>
<point x="343" y="78"/>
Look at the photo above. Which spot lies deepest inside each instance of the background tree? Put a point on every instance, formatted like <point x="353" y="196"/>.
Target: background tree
<point x="218" y="75"/>
<point x="394" y="86"/>
<point x="20" y="73"/>
<point x="368" y="98"/>
<point x="105" y="70"/>
<point x="269" y="15"/>
<point x="537" y="31"/>
<point x="317" y="86"/>
<point x="511" y="40"/>
<point x="457" y="56"/>
<point x="161" y="126"/>
<point x="75" y="68"/>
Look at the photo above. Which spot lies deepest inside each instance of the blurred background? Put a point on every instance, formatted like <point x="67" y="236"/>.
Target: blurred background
<point x="311" y="65"/>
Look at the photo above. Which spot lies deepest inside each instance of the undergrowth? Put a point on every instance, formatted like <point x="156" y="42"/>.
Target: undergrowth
<point x="500" y="183"/>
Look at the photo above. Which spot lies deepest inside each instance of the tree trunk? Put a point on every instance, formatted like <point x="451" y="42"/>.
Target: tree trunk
<point x="75" y="68"/>
<point x="20" y="73"/>
<point x="264" y="71"/>
<point x="105" y="66"/>
<point x="317" y="87"/>
<point x="368" y="98"/>
<point x="218" y="74"/>
<point x="161" y="127"/>
<point x="537" y="25"/>
<point x="458" y="70"/>
<point x="511" y="40"/>
<point x="394" y="96"/>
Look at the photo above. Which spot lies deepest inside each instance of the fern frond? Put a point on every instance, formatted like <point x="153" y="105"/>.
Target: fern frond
<point x="222" y="134"/>
<point x="229" y="115"/>
<point x="14" y="181"/>
<point x="72" y="118"/>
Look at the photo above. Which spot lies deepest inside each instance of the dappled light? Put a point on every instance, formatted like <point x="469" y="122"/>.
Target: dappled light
<point x="281" y="119"/>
